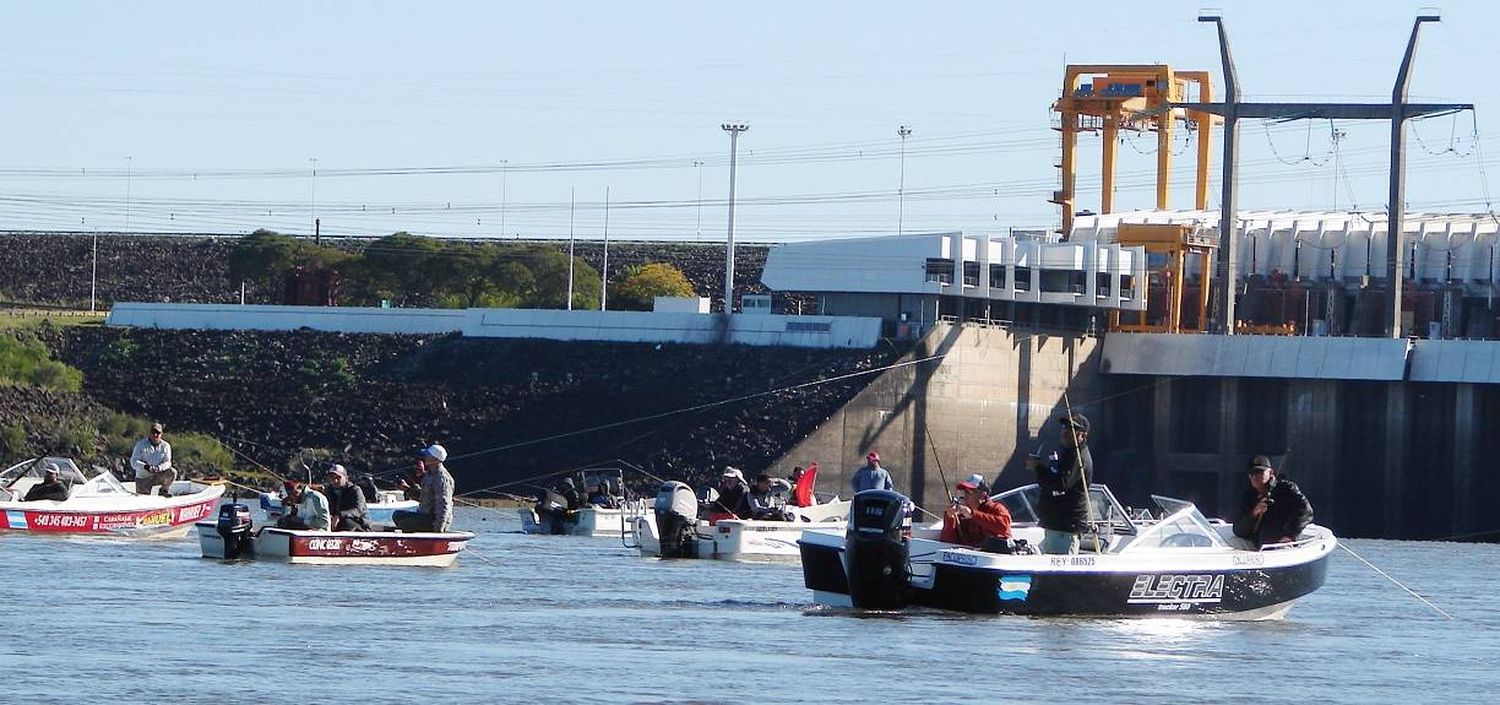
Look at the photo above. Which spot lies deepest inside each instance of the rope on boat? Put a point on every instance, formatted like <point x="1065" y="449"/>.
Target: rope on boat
<point x="1397" y="583"/>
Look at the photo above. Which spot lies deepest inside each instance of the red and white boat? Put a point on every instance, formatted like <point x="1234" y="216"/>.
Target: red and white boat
<point x="232" y="537"/>
<point x="99" y="504"/>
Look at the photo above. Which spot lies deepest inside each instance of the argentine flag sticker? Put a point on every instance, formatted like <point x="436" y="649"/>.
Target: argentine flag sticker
<point x="16" y="519"/>
<point x="1015" y="587"/>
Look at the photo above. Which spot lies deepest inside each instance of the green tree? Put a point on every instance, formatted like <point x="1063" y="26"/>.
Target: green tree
<point x="638" y="287"/>
<point x="262" y="257"/>
<point x="414" y="269"/>
<point x="549" y="270"/>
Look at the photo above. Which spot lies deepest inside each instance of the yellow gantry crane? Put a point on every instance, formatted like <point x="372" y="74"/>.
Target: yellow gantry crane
<point x="1109" y="98"/>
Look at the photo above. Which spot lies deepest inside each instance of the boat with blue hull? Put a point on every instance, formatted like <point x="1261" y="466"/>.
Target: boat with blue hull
<point x="1172" y="563"/>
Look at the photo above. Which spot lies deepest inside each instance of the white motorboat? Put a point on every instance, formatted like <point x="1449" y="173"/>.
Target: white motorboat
<point x="672" y="529"/>
<point x="232" y="537"/>
<point x="379" y="512"/>
<point x="99" y="504"/>
<point x="1176" y="563"/>
<point x="608" y="522"/>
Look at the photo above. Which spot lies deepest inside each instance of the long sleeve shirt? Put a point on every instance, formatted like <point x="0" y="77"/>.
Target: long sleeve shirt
<point x="871" y="478"/>
<point x="437" y="498"/>
<point x="313" y="509"/>
<point x="144" y="454"/>
<point x="989" y="520"/>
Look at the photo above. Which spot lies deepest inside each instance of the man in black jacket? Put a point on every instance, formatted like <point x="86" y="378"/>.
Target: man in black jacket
<point x="1063" y="479"/>
<point x="49" y="488"/>
<point x="1272" y="510"/>
<point x="346" y="503"/>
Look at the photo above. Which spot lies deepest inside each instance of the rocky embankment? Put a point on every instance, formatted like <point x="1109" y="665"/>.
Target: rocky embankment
<point x="507" y="410"/>
<point x="55" y="269"/>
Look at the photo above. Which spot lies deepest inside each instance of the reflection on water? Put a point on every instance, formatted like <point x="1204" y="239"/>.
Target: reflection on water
<point x="540" y="618"/>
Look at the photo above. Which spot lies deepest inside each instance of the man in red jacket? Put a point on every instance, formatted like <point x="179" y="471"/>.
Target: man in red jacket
<point x="975" y="519"/>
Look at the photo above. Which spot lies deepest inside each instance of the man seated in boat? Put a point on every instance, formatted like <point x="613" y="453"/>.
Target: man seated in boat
<point x="346" y="503"/>
<point x="1272" y="510"/>
<point x="303" y="508"/>
<point x="803" y="481"/>
<point x="973" y="519"/>
<point x="734" y="496"/>
<point x="599" y="495"/>
<point x="764" y="504"/>
<point x="51" y="487"/>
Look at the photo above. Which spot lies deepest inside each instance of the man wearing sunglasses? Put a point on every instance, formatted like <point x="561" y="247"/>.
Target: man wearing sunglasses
<point x="152" y="461"/>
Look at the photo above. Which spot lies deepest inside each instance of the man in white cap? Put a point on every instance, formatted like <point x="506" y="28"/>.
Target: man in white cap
<point x="435" y="505"/>
<point x="734" y="496"/>
<point x="152" y="460"/>
<point x="51" y="487"/>
<point x="346" y="503"/>
<point x="973" y="520"/>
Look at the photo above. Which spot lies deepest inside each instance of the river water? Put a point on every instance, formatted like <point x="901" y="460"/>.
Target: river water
<point x="528" y="619"/>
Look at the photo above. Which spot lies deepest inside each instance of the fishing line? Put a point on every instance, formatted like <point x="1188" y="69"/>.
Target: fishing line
<point x="1397" y="583"/>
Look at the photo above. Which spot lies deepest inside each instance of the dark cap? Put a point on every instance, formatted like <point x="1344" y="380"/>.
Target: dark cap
<point x="1079" y="422"/>
<point x="1258" y="463"/>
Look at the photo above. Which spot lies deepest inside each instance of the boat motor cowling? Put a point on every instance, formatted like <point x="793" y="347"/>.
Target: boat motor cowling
<point x="234" y="526"/>
<point x="676" y="516"/>
<point x="877" y="550"/>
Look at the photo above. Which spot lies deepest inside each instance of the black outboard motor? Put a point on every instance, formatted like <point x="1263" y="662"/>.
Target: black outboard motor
<point x="876" y="550"/>
<point x="234" y="526"/>
<point x="676" y="515"/>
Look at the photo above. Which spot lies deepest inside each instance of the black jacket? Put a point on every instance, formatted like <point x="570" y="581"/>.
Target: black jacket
<point x="47" y="490"/>
<point x="1288" y="515"/>
<point x="1062" y="504"/>
<point x="348" y="503"/>
<point x="736" y="499"/>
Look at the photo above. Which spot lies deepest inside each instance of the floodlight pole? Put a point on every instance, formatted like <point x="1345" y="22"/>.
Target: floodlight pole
<point x="734" y="129"/>
<point x="903" y="131"/>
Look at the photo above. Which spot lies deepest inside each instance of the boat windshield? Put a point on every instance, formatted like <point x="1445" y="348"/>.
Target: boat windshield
<point x="1170" y="505"/>
<point x="1022" y="503"/>
<point x="36" y="467"/>
<point x="1185" y="528"/>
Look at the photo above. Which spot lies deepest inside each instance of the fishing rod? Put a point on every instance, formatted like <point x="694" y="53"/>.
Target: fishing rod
<point x="1396" y="582"/>
<point x="1285" y="458"/>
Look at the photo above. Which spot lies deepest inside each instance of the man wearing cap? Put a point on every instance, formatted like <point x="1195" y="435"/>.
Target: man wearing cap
<point x="51" y="487"/>
<point x="871" y="476"/>
<point x="1063" y="479"/>
<point x="152" y="461"/>
<point x="1272" y="510"/>
<point x="974" y="519"/>
<point x="303" y="508"/>
<point x="346" y="503"/>
<point x="435" y="504"/>
<point x="734" y="496"/>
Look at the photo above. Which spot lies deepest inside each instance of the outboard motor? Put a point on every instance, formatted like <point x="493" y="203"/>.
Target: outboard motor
<point x="876" y="550"/>
<point x="676" y="515"/>
<point x="234" y="526"/>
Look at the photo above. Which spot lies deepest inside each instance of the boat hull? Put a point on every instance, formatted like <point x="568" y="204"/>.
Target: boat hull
<point x="172" y="517"/>
<point x="1241" y="585"/>
<point x="736" y="539"/>
<point x="437" y="549"/>
<point x="589" y="521"/>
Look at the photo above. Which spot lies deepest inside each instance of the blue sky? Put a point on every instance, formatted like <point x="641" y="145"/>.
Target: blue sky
<point x="216" y="111"/>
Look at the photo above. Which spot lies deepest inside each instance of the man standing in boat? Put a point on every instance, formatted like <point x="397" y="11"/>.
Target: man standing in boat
<point x="152" y="461"/>
<point x="435" y="505"/>
<point x="871" y="476"/>
<point x="1272" y="510"/>
<point x="1062" y="480"/>
<point x="974" y="519"/>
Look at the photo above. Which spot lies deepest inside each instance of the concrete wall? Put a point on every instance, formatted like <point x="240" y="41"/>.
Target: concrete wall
<point x="613" y="326"/>
<point x="977" y="409"/>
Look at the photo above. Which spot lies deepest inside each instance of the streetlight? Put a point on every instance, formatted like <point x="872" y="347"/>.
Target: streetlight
<point x="734" y="129"/>
<point x="698" y="164"/>
<point x="504" y="169"/>
<point x="904" y="131"/>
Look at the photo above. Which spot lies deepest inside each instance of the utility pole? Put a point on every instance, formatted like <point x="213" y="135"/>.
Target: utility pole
<point x="572" y="201"/>
<point x="94" y="272"/>
<point x="604" y="273"/>
<point x="1398" y="111"/>
<point x="317" y="235"/>
<point x="698" y="164"/>
<point x="128" y="161"/>
<point x="504" y="170"/>
<point x="734" y="129"/>
<point x="903" y="131"/>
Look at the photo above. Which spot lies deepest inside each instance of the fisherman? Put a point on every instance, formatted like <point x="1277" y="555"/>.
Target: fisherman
<point x="1063" y="479"/>
<point x="152" y="460"/>
<point x="871" y="476"/>
<point x="367" y="487"/>
<point x="435" y="504"/>
<point x="599" y="495"/>
<point x="803" y="481"/>
<point x="764" y="504"/>
<point x="734" y="496"/>
<point x="973" y="519"/>
<point x="51" y="487"/>
<point x="1272" y="510"/>
<point x="346" y="503"/>
<point x="303" y="508"/>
